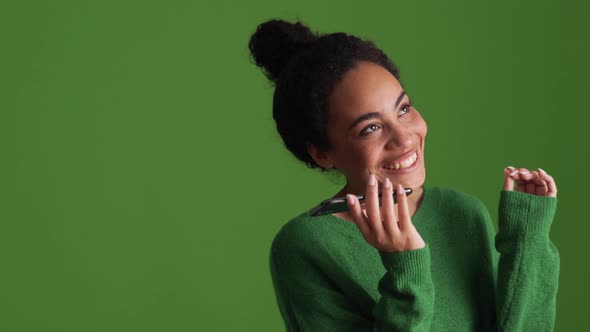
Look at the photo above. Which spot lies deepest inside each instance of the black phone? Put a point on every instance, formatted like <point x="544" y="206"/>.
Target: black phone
<point x="338" y="204"/>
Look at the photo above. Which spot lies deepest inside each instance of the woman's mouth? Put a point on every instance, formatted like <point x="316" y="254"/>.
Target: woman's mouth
<point x="406" y="165"/>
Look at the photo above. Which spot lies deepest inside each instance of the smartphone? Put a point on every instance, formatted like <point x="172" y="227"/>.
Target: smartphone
<point x="334" y="205"/>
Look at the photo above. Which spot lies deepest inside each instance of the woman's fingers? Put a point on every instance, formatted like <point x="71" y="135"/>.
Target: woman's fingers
<point x="536" y="182"/>
<point x="531" y="186"/>
<point x="508" y="180"/>
<point x="372" y="207"/>
<point x="403" y="212"/>
<point x="380" y="226"/>
<point x="357" y="215"/>
<point x="540" y="186"/>
<point x="390" y="224"/>
<point x="552" y="187"/>
<point x="513" y="177"/>
<point x="523" y="175"/>
<point x="410" y="236"/>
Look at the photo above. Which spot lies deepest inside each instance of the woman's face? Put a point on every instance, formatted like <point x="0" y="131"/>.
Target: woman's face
<point x="372" y="125"/>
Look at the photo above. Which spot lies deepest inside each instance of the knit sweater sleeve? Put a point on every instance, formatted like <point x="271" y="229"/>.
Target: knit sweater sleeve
<point x="407" y="292"/>
<point x="528" y="264"/>
<point x="310" y="300"/>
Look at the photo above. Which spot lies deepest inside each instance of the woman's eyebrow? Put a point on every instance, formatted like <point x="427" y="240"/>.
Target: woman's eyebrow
<point x="365" y="117"/>
<point x="399" y="98"/>
<point x="371" y="115"/>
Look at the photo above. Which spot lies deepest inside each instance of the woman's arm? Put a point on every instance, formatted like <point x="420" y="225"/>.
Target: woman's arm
<point x="528" y="269"/>
<point x="407" y="292"/>
<point x="309" y="301"/>
<point x="526" y="260"/>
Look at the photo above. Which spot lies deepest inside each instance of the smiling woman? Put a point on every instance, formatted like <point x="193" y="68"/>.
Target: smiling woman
<point x="431" y="261"/>
<point x="373" y="129"/>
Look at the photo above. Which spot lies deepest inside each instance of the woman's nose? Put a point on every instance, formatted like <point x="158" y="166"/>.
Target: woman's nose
<point x="399" y="137"/>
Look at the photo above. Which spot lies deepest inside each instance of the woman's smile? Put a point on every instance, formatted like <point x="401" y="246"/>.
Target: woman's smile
<point x="404" y="164"/>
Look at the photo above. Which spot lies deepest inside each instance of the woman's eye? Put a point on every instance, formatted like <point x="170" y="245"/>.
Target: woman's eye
<point x="406" y="108"/>
<point x="364" y="131"/>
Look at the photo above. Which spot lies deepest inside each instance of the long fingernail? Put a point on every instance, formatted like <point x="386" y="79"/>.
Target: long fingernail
<point x="372" y="180"/>
<point x="400" y="189"/>
<point x="540" y="169"/>
<point x="514" y="172"/>
<point x="387" y="183"/>
<point x="350" y="199"/>
<point x="524" y="172"/>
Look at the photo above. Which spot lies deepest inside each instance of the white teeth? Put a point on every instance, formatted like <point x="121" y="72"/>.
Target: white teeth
<point x="404" y="163"/>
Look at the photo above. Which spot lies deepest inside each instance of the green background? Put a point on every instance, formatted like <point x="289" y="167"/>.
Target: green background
<point x="142" y="179"/>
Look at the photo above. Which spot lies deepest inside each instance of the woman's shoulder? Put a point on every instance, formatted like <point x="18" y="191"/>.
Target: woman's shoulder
<point x="297" y="232"/>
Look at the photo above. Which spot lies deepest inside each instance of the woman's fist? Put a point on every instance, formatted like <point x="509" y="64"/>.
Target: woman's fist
<point x="536" y="182"/>
<point x="379" y="225"/>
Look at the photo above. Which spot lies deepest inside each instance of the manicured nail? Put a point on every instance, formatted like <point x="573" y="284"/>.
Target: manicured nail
<point x="513" y="173"/>
<point x="372" y="180"/>
<point x="387" y="183"/>
<point x="524" y="172"/>
<point x="400" y="189"/>
<point x="350" y="199"/>
<point x="540" y="169"/>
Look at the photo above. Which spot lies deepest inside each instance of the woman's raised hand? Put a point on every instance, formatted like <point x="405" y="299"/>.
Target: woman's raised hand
<point x="379" y="225"/>
<point x="536" y="182"/>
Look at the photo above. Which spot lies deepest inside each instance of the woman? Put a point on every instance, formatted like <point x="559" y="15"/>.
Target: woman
<point x="431" y="262"/>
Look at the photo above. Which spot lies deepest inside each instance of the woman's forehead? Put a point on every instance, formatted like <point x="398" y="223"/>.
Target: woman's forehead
<point x="366" y="88"/>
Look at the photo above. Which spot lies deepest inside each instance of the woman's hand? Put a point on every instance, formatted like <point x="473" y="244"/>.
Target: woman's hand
<point x="536" y="182"/>
<point x="379" y="225"/>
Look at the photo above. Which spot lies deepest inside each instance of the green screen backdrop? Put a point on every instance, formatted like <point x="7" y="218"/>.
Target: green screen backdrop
<point x="142" y="179"/>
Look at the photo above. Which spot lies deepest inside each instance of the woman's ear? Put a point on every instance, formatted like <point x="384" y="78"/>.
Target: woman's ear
<point x="322" y="158"/>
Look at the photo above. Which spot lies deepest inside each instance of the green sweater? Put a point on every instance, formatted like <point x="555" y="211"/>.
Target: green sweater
<point x="328" y="278"/>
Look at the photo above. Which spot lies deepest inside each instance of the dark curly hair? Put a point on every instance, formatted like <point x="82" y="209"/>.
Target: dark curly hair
<point x="304" y="67"/>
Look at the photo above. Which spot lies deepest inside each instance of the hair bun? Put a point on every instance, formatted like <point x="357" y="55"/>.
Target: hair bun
<point x="275" y="42"/>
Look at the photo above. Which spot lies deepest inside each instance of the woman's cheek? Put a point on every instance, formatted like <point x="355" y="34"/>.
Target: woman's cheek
<point x="420" y="125"/>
